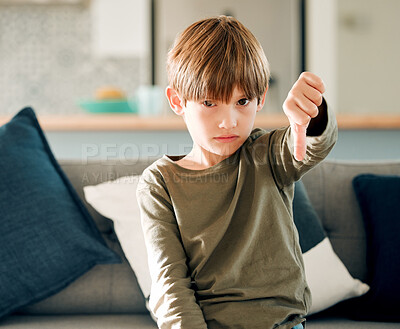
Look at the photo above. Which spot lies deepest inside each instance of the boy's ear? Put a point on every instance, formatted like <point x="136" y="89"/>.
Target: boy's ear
<point x="175" y="101"/>
<point x="262" y="102"/>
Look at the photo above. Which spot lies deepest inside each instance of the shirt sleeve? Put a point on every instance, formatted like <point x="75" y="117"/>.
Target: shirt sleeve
<point x="172" y="300"/>
<point x="285" y="168"/>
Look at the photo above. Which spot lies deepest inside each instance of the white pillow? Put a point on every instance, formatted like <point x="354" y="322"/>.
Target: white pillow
<point x="328" y="279"/>
<point x="116" y="200"/>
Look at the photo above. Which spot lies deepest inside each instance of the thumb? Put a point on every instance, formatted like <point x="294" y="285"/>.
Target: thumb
<point x="299" y="139"/>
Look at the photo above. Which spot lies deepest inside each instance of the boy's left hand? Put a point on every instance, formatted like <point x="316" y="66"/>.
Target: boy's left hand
<point x="300" y="106"/>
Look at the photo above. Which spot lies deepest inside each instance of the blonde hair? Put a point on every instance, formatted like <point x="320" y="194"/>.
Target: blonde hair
<point x="215" y="55"/>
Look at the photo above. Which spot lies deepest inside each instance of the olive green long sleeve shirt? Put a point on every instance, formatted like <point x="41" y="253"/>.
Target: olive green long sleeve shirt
<point x="223" y="248"/>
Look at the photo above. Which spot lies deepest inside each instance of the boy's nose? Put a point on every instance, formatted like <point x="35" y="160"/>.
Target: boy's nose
<point x="228" y="121"/>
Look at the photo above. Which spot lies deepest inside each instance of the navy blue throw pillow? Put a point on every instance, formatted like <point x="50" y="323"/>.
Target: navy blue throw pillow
<point x="47" y="237"/>
<point x="307" y="222"/>
<point x="379" y="200"/>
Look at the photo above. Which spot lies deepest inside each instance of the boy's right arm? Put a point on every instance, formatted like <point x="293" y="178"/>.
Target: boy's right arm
<point x="171" y="300"/>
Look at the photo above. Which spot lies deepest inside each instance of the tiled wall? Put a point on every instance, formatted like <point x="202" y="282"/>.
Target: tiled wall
<point x="46" y="60"/>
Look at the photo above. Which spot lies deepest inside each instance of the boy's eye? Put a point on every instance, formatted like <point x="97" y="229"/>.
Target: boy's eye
<point x="208" y="103"/>
<point x="243" y="102"/>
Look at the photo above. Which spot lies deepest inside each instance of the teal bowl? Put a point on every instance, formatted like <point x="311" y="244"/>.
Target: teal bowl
<point x="108" y="106"/>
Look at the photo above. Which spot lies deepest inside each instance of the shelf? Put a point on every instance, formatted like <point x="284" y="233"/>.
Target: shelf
<point x="131" y="122"/>
<point x="370" y="121"/>
<point x="120" y="122"/>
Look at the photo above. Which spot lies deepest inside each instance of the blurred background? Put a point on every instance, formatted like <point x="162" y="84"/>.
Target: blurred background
<point x="71" y="57"/>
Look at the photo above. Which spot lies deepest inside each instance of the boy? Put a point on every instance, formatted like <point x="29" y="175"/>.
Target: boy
<point x="223" y="248"/>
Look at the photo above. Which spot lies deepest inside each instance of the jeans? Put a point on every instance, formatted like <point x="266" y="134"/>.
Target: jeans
<point x="299" y="326"/>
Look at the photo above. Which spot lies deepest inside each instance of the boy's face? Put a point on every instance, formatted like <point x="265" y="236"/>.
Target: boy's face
<point x="217" y="128"/>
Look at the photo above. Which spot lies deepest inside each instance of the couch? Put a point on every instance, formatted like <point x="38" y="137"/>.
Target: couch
<point x="108" y="296"/>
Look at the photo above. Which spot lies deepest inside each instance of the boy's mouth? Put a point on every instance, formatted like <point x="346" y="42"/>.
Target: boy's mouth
<point x="226" y="138"/>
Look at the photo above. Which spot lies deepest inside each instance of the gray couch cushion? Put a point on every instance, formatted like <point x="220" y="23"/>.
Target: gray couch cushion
<point x="140" y="321"/>
<point x="104" y="289"/>
<point x="329" y="187"/>
<point x="132" y="321"/>
<point x="336" y="323"/>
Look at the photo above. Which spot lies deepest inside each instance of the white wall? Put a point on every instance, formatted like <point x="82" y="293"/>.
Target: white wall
<point x="355" y="46"/>
<point x="368" y="56"/>
<point x="321" y="45"/>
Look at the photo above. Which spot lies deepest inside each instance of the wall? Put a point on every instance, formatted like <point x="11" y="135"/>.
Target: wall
<point x="354" y="45"/>
<point x="351" y="145"/>
<point x="368" y="56"/>
<point x="47" y="60"/>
